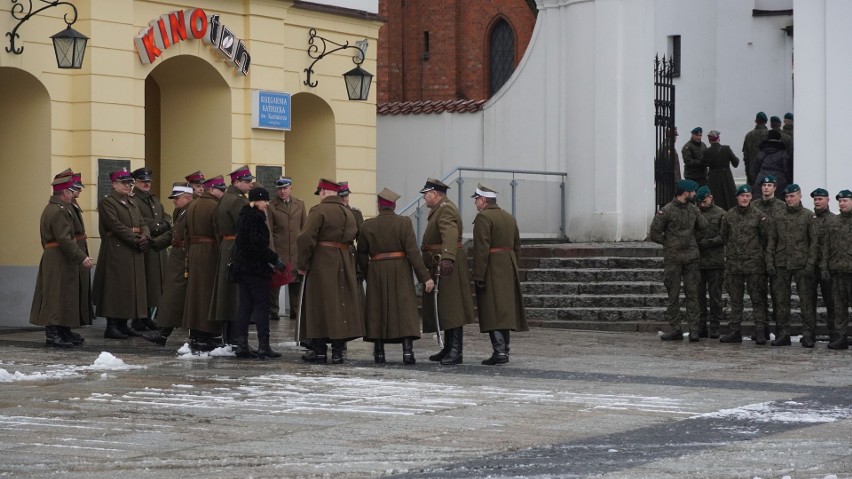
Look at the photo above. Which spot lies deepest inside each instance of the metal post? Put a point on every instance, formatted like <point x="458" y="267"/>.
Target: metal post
<point x="514" y="184"/>
<point x="562" y="209"/>
<point x="460" y="182"/>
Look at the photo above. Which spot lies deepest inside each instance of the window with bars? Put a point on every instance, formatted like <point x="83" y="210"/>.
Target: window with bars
<point x="502" y="56"/>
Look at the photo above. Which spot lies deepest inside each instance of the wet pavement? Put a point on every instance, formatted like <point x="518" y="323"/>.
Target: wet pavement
<point x="569" y="404"/>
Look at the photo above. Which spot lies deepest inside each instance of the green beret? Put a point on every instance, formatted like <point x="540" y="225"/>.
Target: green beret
<point x="702" y="193"/>
<point x="687" y="185"/>
<point x="774" y="119"/>
<point x="767" y="179"/>
<point x="788" y="116"/>
<point x="760" y="117"/>
<point x="792" y="188"/>
<point x="819" y="192"/>
<point x="743" y="189"/>
<point x="844" y="194"/>
<point x="697" y="130"/>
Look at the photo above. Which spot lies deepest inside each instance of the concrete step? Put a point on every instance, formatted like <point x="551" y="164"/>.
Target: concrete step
<point x="597" y="314"/>
<point x="606" y="288"/>
<point x="622" y="301"/>
<point x="586" y="275"/>
<point x="602" y="263"/>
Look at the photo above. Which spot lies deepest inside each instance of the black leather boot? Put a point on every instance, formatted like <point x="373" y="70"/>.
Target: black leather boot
<point x="53" y="337"/>
<point x="337" y="348"/>
<point x="760" y="335"/>
<point x="443" y="352"/>
<point x="264" y="350"/>
<point x="121" y="324"/>
<point x="378" y="352"/>
<point x="713" y="330"/>
<point x="317" y="353"/>
<point x="112" y="331"/>
<point x="158" y="336"/>
<point x="498" y="343"/>
<point x="454" y="355"/>
<point x="71" y="336"/>
<point x="838" y="341"/>
<point x="807" y="341"/>
<point x="734" y="336"/>
<point x="702" y="328"/>
<point x="408" y="351"/>
<point x="243" y="351"/>
<point x="676" y="335"/>
<point x="782" y="341"/>
<point x="140" y="324"/>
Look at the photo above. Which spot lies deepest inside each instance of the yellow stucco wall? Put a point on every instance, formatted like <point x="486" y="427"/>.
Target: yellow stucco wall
<point x="99" y="111"/>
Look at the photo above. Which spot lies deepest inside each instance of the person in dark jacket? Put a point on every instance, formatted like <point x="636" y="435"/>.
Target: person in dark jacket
<point x="773" y="160"/>
<point x="720" y="159"/>
<point x="251" y="266"/>
<point x="711" y="265"/>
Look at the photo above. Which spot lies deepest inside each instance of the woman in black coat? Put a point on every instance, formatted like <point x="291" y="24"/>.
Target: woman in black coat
<point x="251" y="267"/>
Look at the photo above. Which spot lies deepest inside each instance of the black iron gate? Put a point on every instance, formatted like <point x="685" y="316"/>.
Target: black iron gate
<point x="666" y="160"/>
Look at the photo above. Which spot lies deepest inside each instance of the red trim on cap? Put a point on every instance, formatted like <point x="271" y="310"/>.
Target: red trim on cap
<point x="386" y="204"/>
<point x="327" y="185"/>
<point x="195" y="177"/>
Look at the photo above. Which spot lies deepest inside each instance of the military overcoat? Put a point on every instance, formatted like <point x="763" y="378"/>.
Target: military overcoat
<point x="443" y="235"/>
<point x="720" y="159"/>
<point x="87" y="310"/>
<point x="156" y="257"/>
<point x="226" y="294"/>
<point x="286" y="220"/>
<point x="56" y="301"/>
<point x="496" y="249"/>
<point x="202" y="253"/>
<point x="119" y="287"/>
<point x="175" y="279"/>
<point x="331" y="307"/>
<point x="391" y="310"/>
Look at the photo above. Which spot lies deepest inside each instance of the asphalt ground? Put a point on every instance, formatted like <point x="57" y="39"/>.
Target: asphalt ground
<point x="569" y="404"/>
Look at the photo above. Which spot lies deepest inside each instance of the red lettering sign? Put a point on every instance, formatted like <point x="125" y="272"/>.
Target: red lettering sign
<point x="198" y="23"/>
<point x="163" y="33"/>
<point x="148" y="51"/>
<point x="178" y="26"/>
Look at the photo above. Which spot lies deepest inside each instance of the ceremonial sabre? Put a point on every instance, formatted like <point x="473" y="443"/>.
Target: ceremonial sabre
<point x="301" y="306"/>
<point x="436" y="258"/>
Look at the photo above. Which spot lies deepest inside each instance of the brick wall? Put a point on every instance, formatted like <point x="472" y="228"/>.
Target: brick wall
<point x="457" y="64"/>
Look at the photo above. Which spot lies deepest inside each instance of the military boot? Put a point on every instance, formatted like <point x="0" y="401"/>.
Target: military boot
<point x="760" y="336"/>
<point x="53" y="337"/>
<point x="782" y="340"/>
<point x="112" y="331"/>
<point x="379" y="352"/>
<point x="734" y="336"/>
<point x="507" y="333"/>
<point x="76" y="339"/>
<point x="337" y="348"/>
<point x="713" y="330"/>
<point x="443" y="352"/>
<point x="672" y="335"/>
<point x="498" y="344"/>
<point x="243" y="351"/>
<point x="807" y="341"/>
<point x="121" y="324"/>
<point x="317" y="353"/>
<point x="702" y="328"/>
<point x="456" y="340"/>
<point x="264" y="350"/>
<point x="408" y="351"/>
<point x="141" y="324"/>
<point x="838" y="341"/>
<point x="158" y="336"/>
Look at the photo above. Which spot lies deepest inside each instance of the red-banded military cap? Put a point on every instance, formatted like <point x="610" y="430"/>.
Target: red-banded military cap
<point x="325" y="184"/>
<point x="387" y="198"/>
<point x="197" y="177"/>
<point x="241" y="173"/>
<point x="215" y="182"/>
<point x="121" y="175"/>
<point x="62" y="183"/>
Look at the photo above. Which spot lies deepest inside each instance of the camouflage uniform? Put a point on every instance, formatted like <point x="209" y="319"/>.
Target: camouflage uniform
<point x="746" y="232"/>
<point x="820" y="218"/>
<point x="694" y="164"/>
<point x="712" y="268"/>
<point x="674" y="227"/>
<point x="772" y="208"/>
<point x="795" y="259"/>
<point x="750" y="144"/>
<point x="836" y="257"/>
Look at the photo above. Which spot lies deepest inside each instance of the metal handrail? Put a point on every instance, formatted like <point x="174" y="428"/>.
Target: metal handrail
<point x="416" y="203"/>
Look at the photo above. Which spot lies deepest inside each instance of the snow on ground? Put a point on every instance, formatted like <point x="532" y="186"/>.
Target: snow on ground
<point x="787" y="411"/>
<point x="104" y="362"/>
<point x="223" y="352"/>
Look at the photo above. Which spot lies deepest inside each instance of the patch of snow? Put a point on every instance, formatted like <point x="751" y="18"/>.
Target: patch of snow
<point x="223" y="352"/>
<point x="108" y="362"/>
<point x="184" y="349"/>
<point x="7" y="377"/>
<point x="788" y="412"/>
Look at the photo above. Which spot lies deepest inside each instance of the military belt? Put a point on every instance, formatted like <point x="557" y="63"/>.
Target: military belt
<point x="383" y="256"/>
<point x="437" y="247"/>
<point x="501" y="249"/>
<point x="201" y="239"/>
<point x="229" y="237"/>
<point x="134" y="229"/>
<point x="52" y="244"/>
<point x="80" y="237"/>
<point x="178" y="243"/>
<point x="334" y="244"/>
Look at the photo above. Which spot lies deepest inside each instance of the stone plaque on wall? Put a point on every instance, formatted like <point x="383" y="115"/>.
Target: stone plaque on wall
<point x="267" y="175"/>
<point x="105" y="167"/>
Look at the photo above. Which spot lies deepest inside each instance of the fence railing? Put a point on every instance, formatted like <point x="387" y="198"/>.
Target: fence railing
<point x="414" y="208"/>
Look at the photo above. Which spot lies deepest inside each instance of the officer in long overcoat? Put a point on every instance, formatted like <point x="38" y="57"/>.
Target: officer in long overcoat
<point x="119" y="289"/>
<point x="202" y="256"/>
<point x="287" y="217"/>
<point x="225" y="293"/>
<point x="172" y="303"/>
<point x="443" y="252"/>
<point x="330" y="309"/>
<point x="56" y="300"/>
<point x="156" y="258"/>
<point x="496" y="249"/>
<point x="720" y="159"/>
<point x="196" y="181"/>
<point x="387" y="252"/>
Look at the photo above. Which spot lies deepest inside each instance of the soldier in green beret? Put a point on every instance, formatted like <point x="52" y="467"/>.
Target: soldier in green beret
<point x="674" y="227"/>
<point x="821" y="214"/>
<point x="772" y="207"/>
<point x="750" y="144"/>
<point x="836" y="261"/>
<point x="711" y="265"/>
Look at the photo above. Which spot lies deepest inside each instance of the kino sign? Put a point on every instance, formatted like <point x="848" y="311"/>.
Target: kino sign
<point x="194" y="24"/>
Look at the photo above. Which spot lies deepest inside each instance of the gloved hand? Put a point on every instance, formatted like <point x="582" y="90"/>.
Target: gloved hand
<point x="480" y="286"/>
<point x="770" y="270"/>
<point x="447" y="267"/>
<point x="143" y="243"/>
<point x="824" y="275"/>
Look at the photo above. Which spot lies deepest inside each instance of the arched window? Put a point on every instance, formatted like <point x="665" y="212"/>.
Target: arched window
<point x="502" y="56"/>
